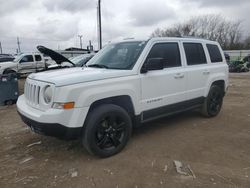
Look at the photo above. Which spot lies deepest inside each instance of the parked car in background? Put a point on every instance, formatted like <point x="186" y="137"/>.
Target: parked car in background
<point x="6" y="57"/>
<point x="23" y="64"/>
<point x="246" y="60"/>
<point x="48" y="60"/>
<point x="238" y="66"/>
<point x="63" y="62"/>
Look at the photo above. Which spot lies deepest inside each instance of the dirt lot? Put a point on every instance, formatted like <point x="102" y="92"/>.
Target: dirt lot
<point x="217" y="150"/>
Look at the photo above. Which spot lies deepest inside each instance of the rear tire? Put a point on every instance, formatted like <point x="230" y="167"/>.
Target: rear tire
<point x="107" y="130"/>
<point x="213" y="103"/>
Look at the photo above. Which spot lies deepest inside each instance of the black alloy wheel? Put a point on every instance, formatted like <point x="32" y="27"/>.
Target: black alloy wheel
<point x="107" y="130"/>
<point x="213" y="103"/>
<point x="110" y="132"/>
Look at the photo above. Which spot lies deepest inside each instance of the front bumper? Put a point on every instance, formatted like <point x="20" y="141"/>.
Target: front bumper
<point x="52" y="122"/>
<point x="52" y="129"/>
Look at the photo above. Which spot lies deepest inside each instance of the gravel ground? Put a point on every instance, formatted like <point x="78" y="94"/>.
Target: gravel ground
<point x="216" y="150"/>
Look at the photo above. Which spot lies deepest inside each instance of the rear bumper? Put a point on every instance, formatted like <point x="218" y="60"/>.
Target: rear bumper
<point x="51" y="129"/>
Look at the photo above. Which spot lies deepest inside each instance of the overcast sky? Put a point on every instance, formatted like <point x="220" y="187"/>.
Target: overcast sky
<point x="57" y="23"/>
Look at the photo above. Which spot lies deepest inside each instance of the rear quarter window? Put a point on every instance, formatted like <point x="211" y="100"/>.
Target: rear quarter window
<point x="214" y="53"/>
<point x="38" y="58"/>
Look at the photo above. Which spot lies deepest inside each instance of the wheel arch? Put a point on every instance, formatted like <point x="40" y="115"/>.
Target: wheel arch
<point x="9" y="69"/>
<point x="219" y="82"/>
<point x="124" y="101"/>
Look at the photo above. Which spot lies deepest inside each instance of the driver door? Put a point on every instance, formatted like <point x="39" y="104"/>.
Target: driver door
<point x="162" y="88"/>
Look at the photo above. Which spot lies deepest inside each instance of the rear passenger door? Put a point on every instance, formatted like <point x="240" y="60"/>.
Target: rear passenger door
<point x="197" y="68"/>
<point x="161" y="88"/>
<point x="39" y="62"/>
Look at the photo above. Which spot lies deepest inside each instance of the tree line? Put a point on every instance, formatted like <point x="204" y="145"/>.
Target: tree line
<point x="213" y="27"/>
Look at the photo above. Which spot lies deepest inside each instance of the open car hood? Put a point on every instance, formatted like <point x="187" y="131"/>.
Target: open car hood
<point x="58" y="58"/>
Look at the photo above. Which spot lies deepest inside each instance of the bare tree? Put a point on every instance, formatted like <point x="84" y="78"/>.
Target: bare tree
<point x="212" y="27"/>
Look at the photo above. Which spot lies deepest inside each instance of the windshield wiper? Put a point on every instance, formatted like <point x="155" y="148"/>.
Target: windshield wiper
<point x="99" y="66"/>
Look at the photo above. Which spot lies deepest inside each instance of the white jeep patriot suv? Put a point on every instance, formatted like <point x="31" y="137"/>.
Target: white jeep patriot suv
<point x="127" y="83"/>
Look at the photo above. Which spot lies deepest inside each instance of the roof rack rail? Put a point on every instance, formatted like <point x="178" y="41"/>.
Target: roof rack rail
<point x="192" y="37"/>
<point x="129" y="38"/>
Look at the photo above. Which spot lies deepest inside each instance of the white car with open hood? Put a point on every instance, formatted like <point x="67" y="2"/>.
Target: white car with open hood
<point x="63" y="62"/>
<point x="124" y="85"/>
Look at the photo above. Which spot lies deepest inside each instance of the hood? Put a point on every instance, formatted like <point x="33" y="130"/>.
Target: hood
<point x="7" y="64"/>
<point x="77" y="75"/>
<point x="58" y="58"/>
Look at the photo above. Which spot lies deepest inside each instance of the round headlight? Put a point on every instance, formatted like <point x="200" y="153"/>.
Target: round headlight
<point x="47" y="94"/>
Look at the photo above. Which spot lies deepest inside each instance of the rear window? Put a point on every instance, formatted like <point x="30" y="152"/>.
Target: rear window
<point x="194" y="53"/>
<point x="214" y="53"/>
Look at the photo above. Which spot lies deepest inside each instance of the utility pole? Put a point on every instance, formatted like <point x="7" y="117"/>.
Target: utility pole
<point x="90" y="47"/>
<point x="18" y="45"/>
<point x="99" y="20"/>
<point x="80" y="37"/>
<point x="1" y="50"/>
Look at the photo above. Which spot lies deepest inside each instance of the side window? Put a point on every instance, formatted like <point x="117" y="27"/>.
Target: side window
<point x="194" y="53"/>
<point x="214" y="53"/>
<point x="38" y="58"/>
<point x="27" y="58"/>
<point x="169" y="52"/>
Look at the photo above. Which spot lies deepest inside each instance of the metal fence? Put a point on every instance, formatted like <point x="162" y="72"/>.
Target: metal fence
<point x="237" y="54"/>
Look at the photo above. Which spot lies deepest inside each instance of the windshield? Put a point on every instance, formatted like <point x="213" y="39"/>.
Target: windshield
<point x="17" y="58"/>
<point x="118" y="56"/>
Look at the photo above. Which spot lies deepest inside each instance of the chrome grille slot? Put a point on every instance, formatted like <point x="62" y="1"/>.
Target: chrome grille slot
<point x="31" y="92"/>
<point x="38" y="94"/>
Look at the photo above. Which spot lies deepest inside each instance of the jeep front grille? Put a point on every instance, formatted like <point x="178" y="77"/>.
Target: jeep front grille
<point x="32" y="93"/>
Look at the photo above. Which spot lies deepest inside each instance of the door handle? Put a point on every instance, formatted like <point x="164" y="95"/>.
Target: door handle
<point x="206" y="72"/>
<point x="179" y="75"/>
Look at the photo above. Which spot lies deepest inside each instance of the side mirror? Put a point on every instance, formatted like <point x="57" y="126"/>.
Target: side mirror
<point x="152" y="64"/>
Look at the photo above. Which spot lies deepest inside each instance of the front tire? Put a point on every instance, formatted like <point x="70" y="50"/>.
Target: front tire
<point x="8" y="71"/>
<point x="213" y="103"/>
<point x="107" y="130"/>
